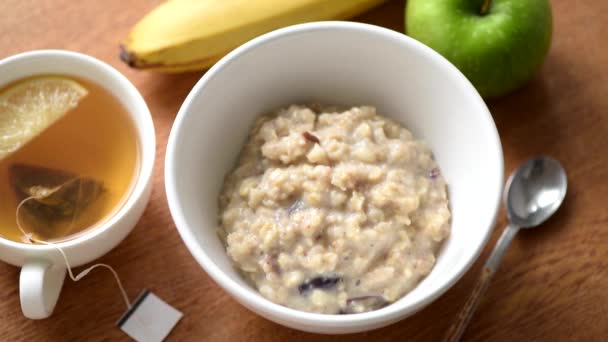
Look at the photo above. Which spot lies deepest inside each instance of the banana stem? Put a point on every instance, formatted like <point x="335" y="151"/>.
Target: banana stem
<point x="485" y="7"/>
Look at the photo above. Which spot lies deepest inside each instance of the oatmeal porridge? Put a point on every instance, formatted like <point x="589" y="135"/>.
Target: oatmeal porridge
<point x="333" y="211"/>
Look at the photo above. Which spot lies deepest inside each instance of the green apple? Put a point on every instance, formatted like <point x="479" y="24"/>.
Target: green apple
<point x="497" y="44"/>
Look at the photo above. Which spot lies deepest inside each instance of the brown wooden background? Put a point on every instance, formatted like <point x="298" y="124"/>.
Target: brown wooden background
<point x="553" y="284"/>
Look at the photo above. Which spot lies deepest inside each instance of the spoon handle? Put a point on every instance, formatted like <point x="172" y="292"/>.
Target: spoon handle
<point x="466" y="313"/>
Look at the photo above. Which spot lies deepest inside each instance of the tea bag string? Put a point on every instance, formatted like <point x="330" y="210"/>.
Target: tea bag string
<point x="82" y="274"/>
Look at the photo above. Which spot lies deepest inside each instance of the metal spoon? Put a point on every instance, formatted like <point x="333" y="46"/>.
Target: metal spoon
<point x="533" y="193"/>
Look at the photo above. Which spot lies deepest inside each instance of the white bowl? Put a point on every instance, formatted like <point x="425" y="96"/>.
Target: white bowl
<point x="335" y="63"/>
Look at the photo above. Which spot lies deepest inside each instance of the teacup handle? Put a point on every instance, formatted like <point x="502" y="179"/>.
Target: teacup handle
<point x="39" y="287"/>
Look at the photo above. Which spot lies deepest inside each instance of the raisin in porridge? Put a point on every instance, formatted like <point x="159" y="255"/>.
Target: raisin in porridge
<point x="335" y="211"/>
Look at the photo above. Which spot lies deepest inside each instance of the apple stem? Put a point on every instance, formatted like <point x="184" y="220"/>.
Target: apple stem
<point x="485" y="7"/>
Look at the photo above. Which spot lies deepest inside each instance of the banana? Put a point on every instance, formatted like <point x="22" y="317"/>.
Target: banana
<point x="187" y="35"/>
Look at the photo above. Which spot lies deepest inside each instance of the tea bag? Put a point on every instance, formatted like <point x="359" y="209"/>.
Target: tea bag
<point x="51" y="199"/>
<point x="48" y="196"/>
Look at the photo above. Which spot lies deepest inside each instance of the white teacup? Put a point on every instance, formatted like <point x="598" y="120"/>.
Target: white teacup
<point x="43" y="268"/>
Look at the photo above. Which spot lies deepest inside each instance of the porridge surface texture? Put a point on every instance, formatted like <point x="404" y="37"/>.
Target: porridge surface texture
<point x="333" y="211"/>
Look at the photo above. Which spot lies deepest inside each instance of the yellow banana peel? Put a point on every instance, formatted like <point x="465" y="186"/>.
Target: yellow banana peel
<point x="187" y="35"/>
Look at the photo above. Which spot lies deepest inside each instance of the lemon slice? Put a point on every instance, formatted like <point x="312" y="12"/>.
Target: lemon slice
<point x="29" y="107"/>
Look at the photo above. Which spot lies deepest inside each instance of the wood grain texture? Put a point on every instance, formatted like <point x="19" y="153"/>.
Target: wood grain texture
<point x="551" y="285"/>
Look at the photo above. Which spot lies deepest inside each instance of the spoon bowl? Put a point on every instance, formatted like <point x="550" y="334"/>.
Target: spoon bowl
<point x="535" y="191"/>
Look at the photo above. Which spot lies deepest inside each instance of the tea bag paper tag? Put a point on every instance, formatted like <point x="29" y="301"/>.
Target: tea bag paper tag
<point x="150" y="319"/>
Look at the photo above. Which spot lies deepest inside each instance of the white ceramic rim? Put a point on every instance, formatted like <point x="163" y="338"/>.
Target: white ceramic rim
<point x="388" y="313"/>
<point x="147" y="147"/>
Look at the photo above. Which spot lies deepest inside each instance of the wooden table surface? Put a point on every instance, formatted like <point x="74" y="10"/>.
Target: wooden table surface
<point x="553" y="284"/>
